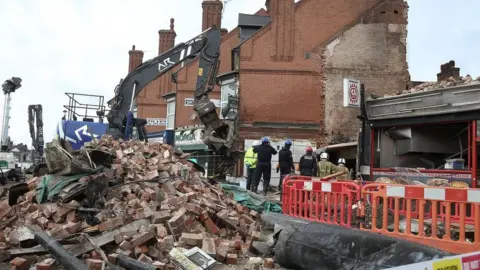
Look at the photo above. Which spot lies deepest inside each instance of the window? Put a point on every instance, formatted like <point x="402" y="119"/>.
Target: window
<point x="170" y="114"/>
<point x="229" y="88"/>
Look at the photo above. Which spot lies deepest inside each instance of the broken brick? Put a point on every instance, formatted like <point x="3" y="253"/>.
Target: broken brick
<point x="144" y="258"/>
<point x="210" y="226"/>
<point x="111" y="223"/>
<point x="19" y="263"/>
<point x="160" y="216"/>
<point x="4" y="209"/>
<point x="192" y="239"/>
<point x="208" y="245"/>
<point x="269" y="263"/>
<point x="94" y="264"/>
<point x="232" y="259"/>
<point x="113" y="258"/>
<point x="141" y="239"/>
<point x="125" y="245"/>
<point x="47" y="264"/>
<point x="255" y="235"/>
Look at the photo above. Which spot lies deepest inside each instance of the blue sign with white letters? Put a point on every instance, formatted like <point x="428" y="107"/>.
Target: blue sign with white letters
<point x="78" y="133"/>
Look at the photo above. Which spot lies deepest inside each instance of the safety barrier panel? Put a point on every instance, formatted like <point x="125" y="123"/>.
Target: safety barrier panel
<point x="434" y="216"/>
<point x="445" y="218"/>
<point x="327" y="202"/>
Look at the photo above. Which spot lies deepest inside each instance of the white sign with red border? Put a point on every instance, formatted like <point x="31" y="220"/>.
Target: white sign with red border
<point x="351" y="93"/>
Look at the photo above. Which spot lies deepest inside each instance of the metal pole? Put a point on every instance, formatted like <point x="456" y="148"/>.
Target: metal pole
<point x="6" y="119"/>
<point x="63" y="257"/>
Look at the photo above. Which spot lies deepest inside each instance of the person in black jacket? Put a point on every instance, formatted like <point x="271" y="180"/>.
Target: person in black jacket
<point x="285" y="162"/>
<point x="264" y="165"/>
<point x="308" y="163"/>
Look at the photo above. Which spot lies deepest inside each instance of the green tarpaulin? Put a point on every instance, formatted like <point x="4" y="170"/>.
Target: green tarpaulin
<point x="251" y="200"/>
<point x="52" y="185"/>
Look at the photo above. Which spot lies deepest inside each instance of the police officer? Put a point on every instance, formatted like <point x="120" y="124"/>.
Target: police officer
<point x="285" y="162"/>
<point x="343" y="168"/>
<point x="250" y="161"/>
<point x="264" y="164"/>
<point x="308" y="163"/>
<point x="325" y="167"/>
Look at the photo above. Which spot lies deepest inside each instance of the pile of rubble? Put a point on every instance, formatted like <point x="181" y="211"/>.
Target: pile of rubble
<point x="155" y="209"/>
<point x="450" y="82"/>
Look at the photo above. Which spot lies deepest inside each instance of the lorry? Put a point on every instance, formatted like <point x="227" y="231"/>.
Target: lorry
<point x="219" y="134"/>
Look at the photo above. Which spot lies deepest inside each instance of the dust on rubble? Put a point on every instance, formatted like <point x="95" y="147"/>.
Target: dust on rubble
<point x="141" y="200"/>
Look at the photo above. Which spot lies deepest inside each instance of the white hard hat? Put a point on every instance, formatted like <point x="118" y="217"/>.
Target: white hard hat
<point x="341" y="161"/>
<point x="256" y="143"/>
<point x="324" y="155"/>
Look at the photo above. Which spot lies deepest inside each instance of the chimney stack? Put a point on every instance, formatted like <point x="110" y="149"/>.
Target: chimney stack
<point x="282" y="13"/>
<point x="267" y="5"/>
<point x="212" y="14"/>
<point x="224" y="31"/>
<point x="135" y="59"/>
<point x="167" y="38"/>
<point x="448" y="70"/>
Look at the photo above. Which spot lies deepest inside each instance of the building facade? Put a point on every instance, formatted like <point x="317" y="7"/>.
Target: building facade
<point x="286" y="64"/>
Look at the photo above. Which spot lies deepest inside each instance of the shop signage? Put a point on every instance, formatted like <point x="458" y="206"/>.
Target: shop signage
<point x="351" y="93"/>
<point x="156" y="121"/>
<point x="188" y="137"/>
<point x="189" y="102"/>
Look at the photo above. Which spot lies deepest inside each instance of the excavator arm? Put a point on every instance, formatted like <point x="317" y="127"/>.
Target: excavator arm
<point x="35" y="123"/>
<point x="219" y="135"/>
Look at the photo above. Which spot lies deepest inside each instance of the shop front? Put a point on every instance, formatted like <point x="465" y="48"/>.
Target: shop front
<point x="189" y="140"/>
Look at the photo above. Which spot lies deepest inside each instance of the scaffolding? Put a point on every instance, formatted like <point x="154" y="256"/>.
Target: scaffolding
<point x="85" y="107"/>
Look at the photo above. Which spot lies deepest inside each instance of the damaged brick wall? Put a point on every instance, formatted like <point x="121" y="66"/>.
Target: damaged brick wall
<point x="373" y="51"/>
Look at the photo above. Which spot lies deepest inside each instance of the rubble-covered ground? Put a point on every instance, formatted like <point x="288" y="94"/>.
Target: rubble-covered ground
<point x="128" y="199"/>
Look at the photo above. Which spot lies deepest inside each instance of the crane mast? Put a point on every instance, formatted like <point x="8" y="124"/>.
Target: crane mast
<point x="8" y="87"/>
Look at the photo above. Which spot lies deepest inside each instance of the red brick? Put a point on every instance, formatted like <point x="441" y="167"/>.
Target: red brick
<point x="111" y="223"/>
<point x="210" y="226"/>
<point x="47" y="264"/>
<point x="269" y="263"/>
<point x="144" y="258"/>
<point x="94" y="264"/>
<point x="232" y="259"/>
<point x="255" y="235"/>
<point x="20" y="263"/>
<point x="141" y="239"/>
<point x="239" y="208"/>
<point x="4" y="209"/>
<point x="125" y="245"/>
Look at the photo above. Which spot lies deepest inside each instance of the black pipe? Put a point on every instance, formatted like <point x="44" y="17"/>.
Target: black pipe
<point x="63" y="257"/>
<point x="311" y="245"/>
<point x="129" y="263"/>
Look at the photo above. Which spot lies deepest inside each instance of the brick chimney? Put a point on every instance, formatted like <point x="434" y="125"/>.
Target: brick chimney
<point x="282" y="13"/>
<point x="448" y="70"/>
<point x="167" y="38"/>
<point x="135" y="59"/>
<point x="212" y="14"/>
<point x="224" y="31"/>
<point x="267" y="5"/>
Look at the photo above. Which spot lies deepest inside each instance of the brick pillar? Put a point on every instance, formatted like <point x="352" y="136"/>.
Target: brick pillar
<point x="166" y="38"/>
<point x="448" y="70"/>
<point x="212" y="14"/>
<point x="282" y="13"/>
<point x="135" y="59"/>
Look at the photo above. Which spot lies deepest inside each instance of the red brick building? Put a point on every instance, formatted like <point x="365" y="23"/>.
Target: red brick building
<point x="288" y="73"/>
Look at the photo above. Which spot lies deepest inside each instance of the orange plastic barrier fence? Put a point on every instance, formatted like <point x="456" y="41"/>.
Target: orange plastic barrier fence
<point x="327" y="202"/>
<point x="446" y="218"/>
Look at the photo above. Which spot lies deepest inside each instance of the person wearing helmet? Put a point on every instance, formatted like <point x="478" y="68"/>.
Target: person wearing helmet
<point x="308" y="163"/>
<point x="264" y="164"/>
<point x="285" y="162"/>
<point x="343" y="168"/>
<point x="250" y="161"/>
<point x="325" y="167"/>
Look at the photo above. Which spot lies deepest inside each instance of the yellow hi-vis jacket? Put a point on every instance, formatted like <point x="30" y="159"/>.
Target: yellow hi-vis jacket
<point x="346" y="176"/>
<point x="250" y="158"/>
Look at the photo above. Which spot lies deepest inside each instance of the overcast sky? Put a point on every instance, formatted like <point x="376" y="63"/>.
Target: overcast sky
<point x="59" y="46"/>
